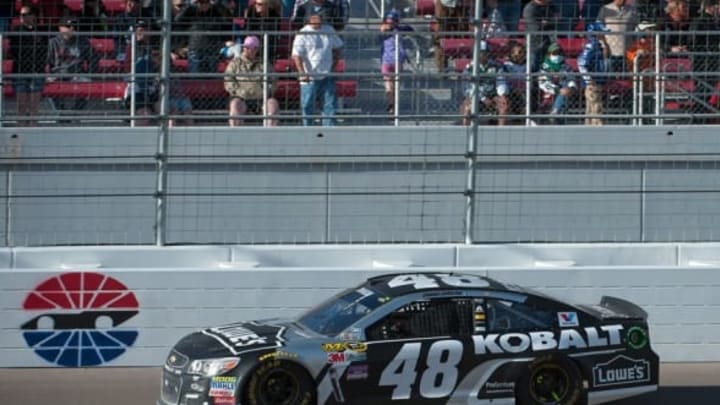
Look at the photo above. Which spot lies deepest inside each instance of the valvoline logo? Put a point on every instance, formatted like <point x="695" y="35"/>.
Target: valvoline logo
<point x="78" y="319"/>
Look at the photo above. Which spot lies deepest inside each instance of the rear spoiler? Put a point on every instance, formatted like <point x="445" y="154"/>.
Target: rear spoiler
<point x="623" y="307"/>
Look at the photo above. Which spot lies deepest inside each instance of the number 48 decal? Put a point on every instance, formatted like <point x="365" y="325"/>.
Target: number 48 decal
<point x="439" y="377"/>
<point x="421" y="281"/>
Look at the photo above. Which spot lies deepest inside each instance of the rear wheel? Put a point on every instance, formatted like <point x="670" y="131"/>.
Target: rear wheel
<point x="280" y="383"/>
<point x="551" y="380"/>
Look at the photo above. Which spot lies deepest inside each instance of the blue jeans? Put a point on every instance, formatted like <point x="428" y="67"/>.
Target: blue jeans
<point x="559" y="104"/>
<point x="309" y="91"/>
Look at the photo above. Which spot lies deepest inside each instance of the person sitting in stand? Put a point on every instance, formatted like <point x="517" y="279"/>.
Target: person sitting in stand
<point x="513" y="80"/>
<point x="388" y="29"/>
<point x="244" y="83"/>
<point x="487" y="87"/>
<point x="29" y="50"/>
<point x="556" y="82"/>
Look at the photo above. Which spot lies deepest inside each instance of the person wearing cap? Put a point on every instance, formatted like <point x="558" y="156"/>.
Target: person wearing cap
<point x="484" y="87"/>
<point x="69" y="58"/>
<point x="390" y="29"/>
<point x="245" y="85"/>
<point x="316" y="54"/>
<point x="593" y="67"/>
<point x="556" y="82"/>
<point x="620" y="17"/>
<point x="29" y="51"/>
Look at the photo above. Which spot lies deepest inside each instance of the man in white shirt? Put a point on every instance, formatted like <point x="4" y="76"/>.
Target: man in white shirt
<point x="620" y="17"/>
<point x="316" y="52"/>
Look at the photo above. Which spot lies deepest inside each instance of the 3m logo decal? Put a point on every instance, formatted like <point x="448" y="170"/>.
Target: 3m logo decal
<point x="77" y="319"/>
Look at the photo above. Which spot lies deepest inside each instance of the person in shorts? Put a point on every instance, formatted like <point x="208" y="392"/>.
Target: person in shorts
<point x="244" y="84"/>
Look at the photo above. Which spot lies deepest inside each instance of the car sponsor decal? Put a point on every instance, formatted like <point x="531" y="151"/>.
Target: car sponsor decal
<point x="279" y="354"/>
<point x="607" y="335"/>
<point x="568" y="319"/>
<point x="499" y="387"/>
<point x="78" y="318"/>
<point x="621" y="370"/>
<point x="637" y="338"/>
<point x="245" y="337"/>
<point x="342" y="346"/>
<point x="357" y="372"/>
<point x="223" y="386"/>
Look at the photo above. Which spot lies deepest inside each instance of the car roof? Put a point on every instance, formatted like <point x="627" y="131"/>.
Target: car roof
<point x="381" y="283"/>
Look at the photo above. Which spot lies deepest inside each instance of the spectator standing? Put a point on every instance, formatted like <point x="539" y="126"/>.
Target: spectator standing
<point x="488" y="86"/>
<point x="178" y="42"/>
<point x="201" y="20"/>
<point x="244" y="82"/>
<point x="265" y="16"/>
<point x="389" y="29"/>
<point x="316" y="53"/>
<point x="452" y="16"/>
<point x="512" y="87"/>
<point x="556" y="82"/>
<point x="641" y="56"/>
<point x="29" y="51"/>
<point x="592" y="66"/>
<point x="288" y="6"/>
<point x="620" y="17"/>
<point x="676" y="37"/>
<point x="540" y="17"/>
<point x="70" y="56"/>
<point x="333" y="12"/>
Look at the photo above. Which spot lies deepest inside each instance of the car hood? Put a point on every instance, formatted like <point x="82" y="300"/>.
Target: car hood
<point x="238" y="338"/>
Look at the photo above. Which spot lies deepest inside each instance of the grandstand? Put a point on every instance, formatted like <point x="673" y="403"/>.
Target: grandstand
<point x="428" y="96"/>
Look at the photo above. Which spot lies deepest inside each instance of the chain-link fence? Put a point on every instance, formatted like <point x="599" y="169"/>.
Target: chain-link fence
<point x="100" y="74"/>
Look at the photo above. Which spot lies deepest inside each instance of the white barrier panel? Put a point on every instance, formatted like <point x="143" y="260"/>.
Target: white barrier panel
<point x="164" y="304"/>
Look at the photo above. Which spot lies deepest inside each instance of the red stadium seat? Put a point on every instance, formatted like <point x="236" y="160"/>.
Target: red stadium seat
<point x="424" y="7"/>
<point x="461" y="63"/>
<point x="457" y="47"/>
<point x="571" y="46"/>
<point x="96" y="90"/>
<point x="678" y="85"/>
<point x="102" y="46"/>
<point x="114" y="6"/>
<point x="111" y="66"/>
<point x="74" y="6"/>
<point x="7" y="66"/>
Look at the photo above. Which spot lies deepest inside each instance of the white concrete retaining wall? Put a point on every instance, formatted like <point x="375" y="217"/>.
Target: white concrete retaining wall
<point x="180" y="289"/>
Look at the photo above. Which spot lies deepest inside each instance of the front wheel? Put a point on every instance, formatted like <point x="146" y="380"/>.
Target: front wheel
<point x="550" y="380"/>
<point x="280" y="383"/>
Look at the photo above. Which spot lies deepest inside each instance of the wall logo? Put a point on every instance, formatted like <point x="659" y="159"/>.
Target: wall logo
<point x="621" y="370"/>
<point x="80" y="320"/>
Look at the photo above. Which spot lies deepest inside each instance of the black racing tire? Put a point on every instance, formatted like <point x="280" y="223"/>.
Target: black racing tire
<point x="551" y="380"/>
<point x="276" y="382"/>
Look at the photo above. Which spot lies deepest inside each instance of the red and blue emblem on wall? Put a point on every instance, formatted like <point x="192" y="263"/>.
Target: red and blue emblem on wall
<point x="78" y="319"/>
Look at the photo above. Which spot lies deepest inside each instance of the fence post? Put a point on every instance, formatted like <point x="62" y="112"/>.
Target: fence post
<point x="163" y="135"/>
<point x="470" y="155"/>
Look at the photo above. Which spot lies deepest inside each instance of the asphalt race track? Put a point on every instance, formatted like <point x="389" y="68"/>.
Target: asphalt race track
<point x="680" y="384"/>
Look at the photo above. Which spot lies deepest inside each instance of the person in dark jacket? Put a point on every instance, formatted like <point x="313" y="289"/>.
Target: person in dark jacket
<point x="69" y="58"/>
<point x="202" y="19"/>
<point x="7" y="9"/>
<point x="265" y="16"/>
<point x="592" y="64"/>
<point x="29" y="51"/>
<point x="332" y="12"/>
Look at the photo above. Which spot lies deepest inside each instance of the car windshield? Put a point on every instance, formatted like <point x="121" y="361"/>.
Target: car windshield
<point x="336" y="314"/>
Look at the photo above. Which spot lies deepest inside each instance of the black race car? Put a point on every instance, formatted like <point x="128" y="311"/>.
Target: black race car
<point x="422" y="338"/>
